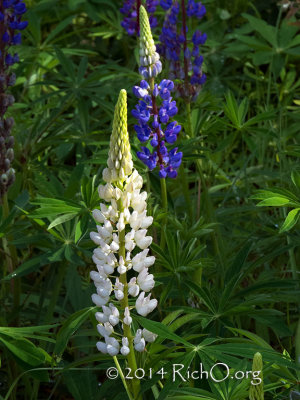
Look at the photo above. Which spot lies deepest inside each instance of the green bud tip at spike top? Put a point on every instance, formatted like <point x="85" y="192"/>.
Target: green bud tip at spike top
<point x="119" y="157"/>
<point x="147" y="46"/>
<point x="150" y="65"/>
<point x="256" y="392"/>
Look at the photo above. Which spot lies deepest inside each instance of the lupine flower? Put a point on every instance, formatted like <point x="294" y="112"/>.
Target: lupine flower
<point x="256" y="392"/>
<point x="121" y="229"/>
<point x="155" y="109"/>
<point x="183" y="55"/>
<point x="131" y="18"/>
<point x="10" y="19"/>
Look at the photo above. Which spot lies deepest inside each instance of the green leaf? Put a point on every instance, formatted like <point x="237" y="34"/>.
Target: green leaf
<point x="273" y="201"/>
<point x="268" y="32"/>
<point x="296" y="178"/>
<point x="290" y="221"/>
<point x="69" y="327"/>
<point x="61" y="219"/>
<point x="161" y="330"/>
<point x="24" y="350"/>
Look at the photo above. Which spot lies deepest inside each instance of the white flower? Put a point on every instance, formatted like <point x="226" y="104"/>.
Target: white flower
<point x="112" y="345"/>
<point x="108" y="269"/>
<point x="114" y="316"/>
<point x="119" y="290"/>
<point x="127" y="318"/>
<point x="141" y="261"/>
<point x="98" y="216"/>
<point x="101" y="271"/>
<point x="101" y="317"/>
<point x="106" y="329"/>
<point x="133" y="288"/>
<point x="99" y="301"/>
<point x="137" y="203"/>
<point x="125" y="346"/>
<point x="121" y="223"/>
<point x="106" y="191"/>
<point x="145" y="280"/>
<point x="102" y="347"/>
<point x="96" y="277"/>
<point x="121" y="268"/>
<point x="149" y="336"/>
<point x="125" y="211"/>
<point x="139" y="342"/>
<point x="141" y="239"/>
<point x="104" y="287"/>
<point x="129" y="242"/>
<point x="96" y="238"/>
<point x="144" y="305"/>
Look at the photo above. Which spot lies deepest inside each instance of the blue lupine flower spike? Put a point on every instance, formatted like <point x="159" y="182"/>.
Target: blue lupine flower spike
<point x="155" y="109"/>
<point x="11" y="13"/>
<point x="183" y="54"/>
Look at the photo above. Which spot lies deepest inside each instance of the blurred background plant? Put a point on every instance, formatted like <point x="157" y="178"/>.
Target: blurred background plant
<point x="228" y="277"/>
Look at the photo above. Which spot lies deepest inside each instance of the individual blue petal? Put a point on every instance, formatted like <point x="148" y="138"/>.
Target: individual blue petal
<point x="166" y="4"/>
<point x="17" y="39"/>
<point x="6" y="37"/>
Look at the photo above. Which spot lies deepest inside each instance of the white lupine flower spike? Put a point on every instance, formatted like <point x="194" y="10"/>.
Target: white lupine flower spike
<point x="122" y="278"/>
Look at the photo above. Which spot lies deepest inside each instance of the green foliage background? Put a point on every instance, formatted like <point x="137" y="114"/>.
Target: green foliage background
<point x="228" y="279"/>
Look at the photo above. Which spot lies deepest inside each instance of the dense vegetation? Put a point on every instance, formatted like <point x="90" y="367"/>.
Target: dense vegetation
<point x="227" y="276"/>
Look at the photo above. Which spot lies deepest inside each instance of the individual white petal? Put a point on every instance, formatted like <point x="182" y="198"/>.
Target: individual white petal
<point x="121" y="223"/>
<point x="140" y="346"/>
<point x="145" y="280"/>
<point x="146" y="222"/>
<point x="104" y="331"/>
<point x="149" y="261"/>
<point x="96" y="238"/>
<point x="121" y="268"/>
<point x="133" y="288"/>
<point x="102" y="347"/>
<point x="101" y="317"/>
<point x="99" y="301"/>
<point x="125" y="350"/>
<point x="95" y="276"/>
<point x="98" y="216"/>
<point x="149" y="336"/>
<point x="127" y="318"/>
<point x="144" y="305"/>
<point x="114" y="246"/>
<point x="108" y="269"/>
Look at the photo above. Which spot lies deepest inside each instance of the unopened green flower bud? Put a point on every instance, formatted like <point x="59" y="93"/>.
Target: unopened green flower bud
<point x="10" y="154"/>
<point x="4" y="179"/>
<point x="256" y="391"/>
<point x="119" y="157"/>
<point x="150" y="65"/>
<point x="11" y="176"/>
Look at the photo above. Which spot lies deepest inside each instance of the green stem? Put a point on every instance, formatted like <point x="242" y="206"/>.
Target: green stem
<point x="123" y="378"/>
<point x="131" y="360"/>
<point x="55" y="294"/>
<point x="164" y="201"/>
<point x="189" y="119"/>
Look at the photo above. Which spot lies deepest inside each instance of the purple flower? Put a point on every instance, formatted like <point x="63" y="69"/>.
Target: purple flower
<point x="129" y="10"/>
<point x="158" y="108"/>
<point x="166" y="4"/>
<point x="182" y="50"/>
<point x="10" y="19"/>
<point x="199" y="38"/>
<point x="147" y="158"/>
